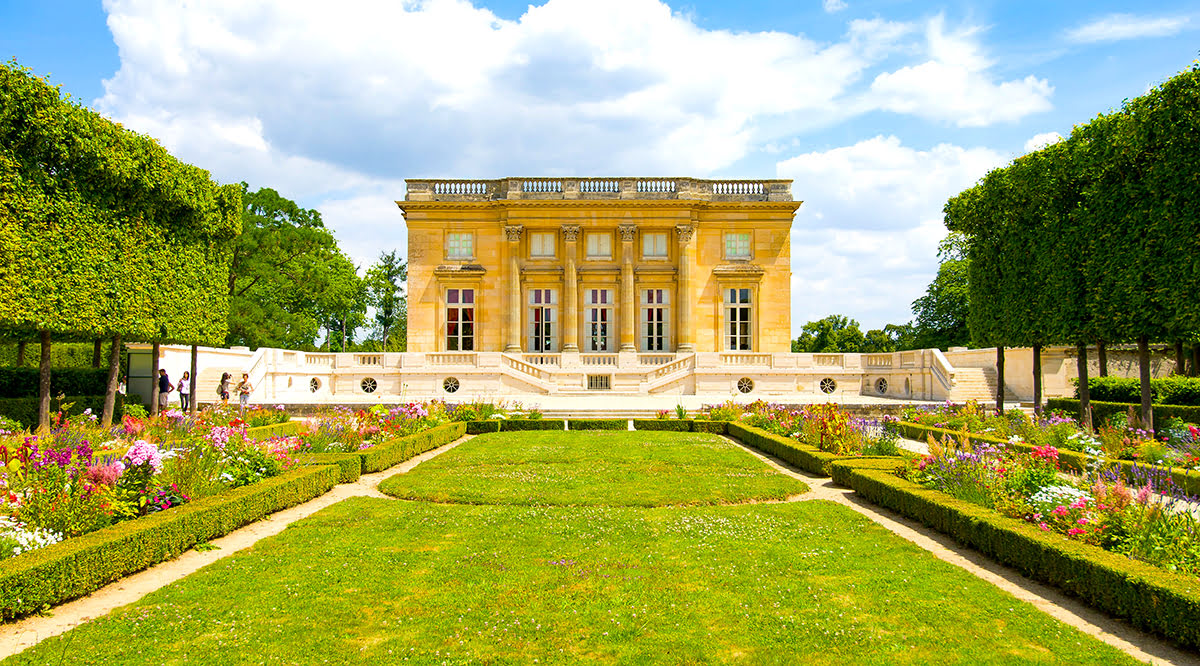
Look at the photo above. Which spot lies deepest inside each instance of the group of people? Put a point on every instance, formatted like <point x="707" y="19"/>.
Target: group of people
<point x="165" y="387"/>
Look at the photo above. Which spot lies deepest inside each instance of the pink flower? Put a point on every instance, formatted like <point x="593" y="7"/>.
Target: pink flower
<point x="1060" y="511"/>
<point x="1082" y="521"/>
<point x="1144" y="494"/>
<point x="1080" y="503"/>
<point x="1044" y="526"/>
<point x="1075" y="531"/>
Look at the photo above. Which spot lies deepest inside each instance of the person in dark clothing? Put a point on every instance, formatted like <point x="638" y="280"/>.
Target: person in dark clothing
<point x="164" y="389"/>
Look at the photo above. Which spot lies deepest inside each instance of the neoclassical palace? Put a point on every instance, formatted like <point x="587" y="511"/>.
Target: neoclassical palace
<point x="599" y="266"/>
<point x="667" y="287"/>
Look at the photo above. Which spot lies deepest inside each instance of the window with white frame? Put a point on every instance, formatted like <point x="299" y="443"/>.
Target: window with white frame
<point x="460" y="246"/>
<point x="737" y="245"/>
<point x="654" y="245"/>
<point x="599" y="313"/>
<point x="739" y="317"/>
<point x="543" y="320"/>
<point x="542" y="244"/>
<point x="655" y="318"/>
<point x="460" y="320"/>
<point x="599" y="246"/>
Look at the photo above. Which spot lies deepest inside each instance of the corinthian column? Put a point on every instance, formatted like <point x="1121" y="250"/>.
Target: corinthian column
<point x="628" y="304"/>
<point x="570" y="318"/>
<point x="684" y="335"/>
<point x="513" y="233"/>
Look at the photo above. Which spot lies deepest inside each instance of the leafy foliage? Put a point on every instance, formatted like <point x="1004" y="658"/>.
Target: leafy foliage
<point x="385" y="290"/>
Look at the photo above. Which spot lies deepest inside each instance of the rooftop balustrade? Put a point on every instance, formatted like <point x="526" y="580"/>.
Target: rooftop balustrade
<point x="598" y="188"/>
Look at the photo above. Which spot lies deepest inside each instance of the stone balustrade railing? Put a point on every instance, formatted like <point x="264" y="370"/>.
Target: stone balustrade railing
<point x="599" y="188"/>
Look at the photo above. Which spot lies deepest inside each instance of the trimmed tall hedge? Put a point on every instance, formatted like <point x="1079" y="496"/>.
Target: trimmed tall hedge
<point x="1173" y="390"/>
<point x="79" y="566"/>
<point x="1151" y="598"/>
<point x="392" y="452"/>
<point x="1102" y="410"/>
<point x="715" y="427"/>
<point x="598" y="424"/>
<point x="25" y="409"/>
<point x="23" y="382"/>
<point x="1073" y="461"/>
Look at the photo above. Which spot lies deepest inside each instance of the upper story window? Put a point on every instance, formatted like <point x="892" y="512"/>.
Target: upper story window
<point x="599" y="246"/>
<point x="654" y="245"/>
<point x="460" y="246"/>
<point x="737" y="245"/>
<point x="542" y="244"/>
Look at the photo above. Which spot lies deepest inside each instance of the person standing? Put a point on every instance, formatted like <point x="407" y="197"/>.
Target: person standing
<point x="223" y="389"/>
<point x="244" y="388"/>
<point x="185" y="396"/>
<point x="164" y="389"/>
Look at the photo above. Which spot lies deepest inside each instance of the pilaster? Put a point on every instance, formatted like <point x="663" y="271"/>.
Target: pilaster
<point x="684" y="299"/>
<point x="570" y="318"/>
<point x="512" y="233"/>
<point x="628" y="302"/>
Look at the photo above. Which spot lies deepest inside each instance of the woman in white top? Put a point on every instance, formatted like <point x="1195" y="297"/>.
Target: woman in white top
<point x="185" y="397"/>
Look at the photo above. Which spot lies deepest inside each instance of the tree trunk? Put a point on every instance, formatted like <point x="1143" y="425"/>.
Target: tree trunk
<point x="110" y="392"/>
<point x="1144" y="375"/>
<point x="96" y="344"/>
<point x="1037" y="380"/>
<point x="1085" y="397"/>
<point x="154" y="378"/>
<point x="21" y="353"/>
<point x="1102" y="357"/>
<point x="193" y="398"/>
<point x="1196" y="359"/>
<point x="1179" y="362"/>
<point x="44" y="383"/>
<point x="1000" y="379"/>
<point x="343" y="334"/>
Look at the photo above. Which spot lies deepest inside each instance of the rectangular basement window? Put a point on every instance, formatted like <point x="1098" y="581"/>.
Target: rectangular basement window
<point x="599" y="382"/>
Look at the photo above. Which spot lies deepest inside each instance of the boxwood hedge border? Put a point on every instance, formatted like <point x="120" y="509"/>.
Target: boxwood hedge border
<point x="388" y="453"/>
<point x="1150" y="598"/>
<point x="808" y="458"/>
<point x="284" y="429"/>
<point x="82" y="565"/>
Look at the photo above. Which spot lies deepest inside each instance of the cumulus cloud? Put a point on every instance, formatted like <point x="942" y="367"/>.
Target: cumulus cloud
<point x="865" y="241"/>
<point x="954" y="84"/>
<point x="1039" y="141"/>
<point x="832" y="6"/>
<point x="1118" y="27"/>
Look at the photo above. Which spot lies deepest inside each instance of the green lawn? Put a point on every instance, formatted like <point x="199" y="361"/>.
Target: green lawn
<point x="594" y="468"/>
<point x="384" y="581"/>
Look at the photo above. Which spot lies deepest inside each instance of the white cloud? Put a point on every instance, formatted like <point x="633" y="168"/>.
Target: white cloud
<point x="1118" y="27"/>
<point x="954" y="85"/>
<point x="1039" y="141"/>
<point x="832" y="6"/>
<point x="865" y="241"/>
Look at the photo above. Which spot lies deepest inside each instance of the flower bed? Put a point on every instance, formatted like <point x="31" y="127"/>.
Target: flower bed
<point x="1154" y="599"/>
<point x="78" y="477"/>
<point x="827" y="427"/>
<point x="79" y="566"/>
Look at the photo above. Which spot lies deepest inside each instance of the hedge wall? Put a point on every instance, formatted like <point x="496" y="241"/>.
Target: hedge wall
<point x="672" y="425"/>
<point x="598" y="424"/>
<point x="481" y="427"/>
<point x="284" y="429"/>
<point x="507" y="425"/>
<point x="23" y="382"/>
<point x="715" y="427"/>
<point x="79" y="566"/>
<point x="1151" y="598"/>
<point x="25" y="409"/>
<point x="1102" y="410"/>
<point x="1173" y="390"/>
<point x="348" y="464"/>
<point x="1073" y="461"/>
<point x="392" y="452"/>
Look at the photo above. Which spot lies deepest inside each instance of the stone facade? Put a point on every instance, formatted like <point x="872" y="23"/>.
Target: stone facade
<point x="570" y="266"/>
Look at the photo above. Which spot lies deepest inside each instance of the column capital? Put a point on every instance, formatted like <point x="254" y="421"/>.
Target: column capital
<point x="513" y="232"/>
<point x="570" y="232"/>
<point x="685" y="232"/>
<point x="627" y="231"/>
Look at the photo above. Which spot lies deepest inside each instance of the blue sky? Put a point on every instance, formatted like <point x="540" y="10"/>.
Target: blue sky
<point x="879" y="110"/>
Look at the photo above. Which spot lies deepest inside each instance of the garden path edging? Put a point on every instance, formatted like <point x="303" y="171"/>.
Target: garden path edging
<point x="1140" y="645"/>
<point x="26" y="633"/>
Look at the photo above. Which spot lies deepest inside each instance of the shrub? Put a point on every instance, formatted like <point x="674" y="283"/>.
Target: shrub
<point x="1160" y="601"/>
<point x="674" y="425"/>
<point x="597" y="424"/>
<point x="1173" y="390"/>
<point x="73" y="568"/>
<point x="1101" y="410"/>
<point x="507" y="425"/>
<point x="275" y="430"/>
<point x="24" y="382"/>
<point x="716" y="427"/>
<point x="25" y="410"/>
<point x="392" y="452"/>
<point x="481" y="427"/>
<point x="349" y="464"/>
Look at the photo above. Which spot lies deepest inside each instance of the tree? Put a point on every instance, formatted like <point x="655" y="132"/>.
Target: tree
<point x="286" y="275"/>
<point x="940" y="316"/>
<point x="342" y="307"/>
<point x="835" y="333"/>
<point x="385" y="292"/>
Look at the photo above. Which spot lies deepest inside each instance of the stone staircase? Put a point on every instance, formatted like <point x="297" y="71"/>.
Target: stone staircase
<point x="978" y="384"/>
